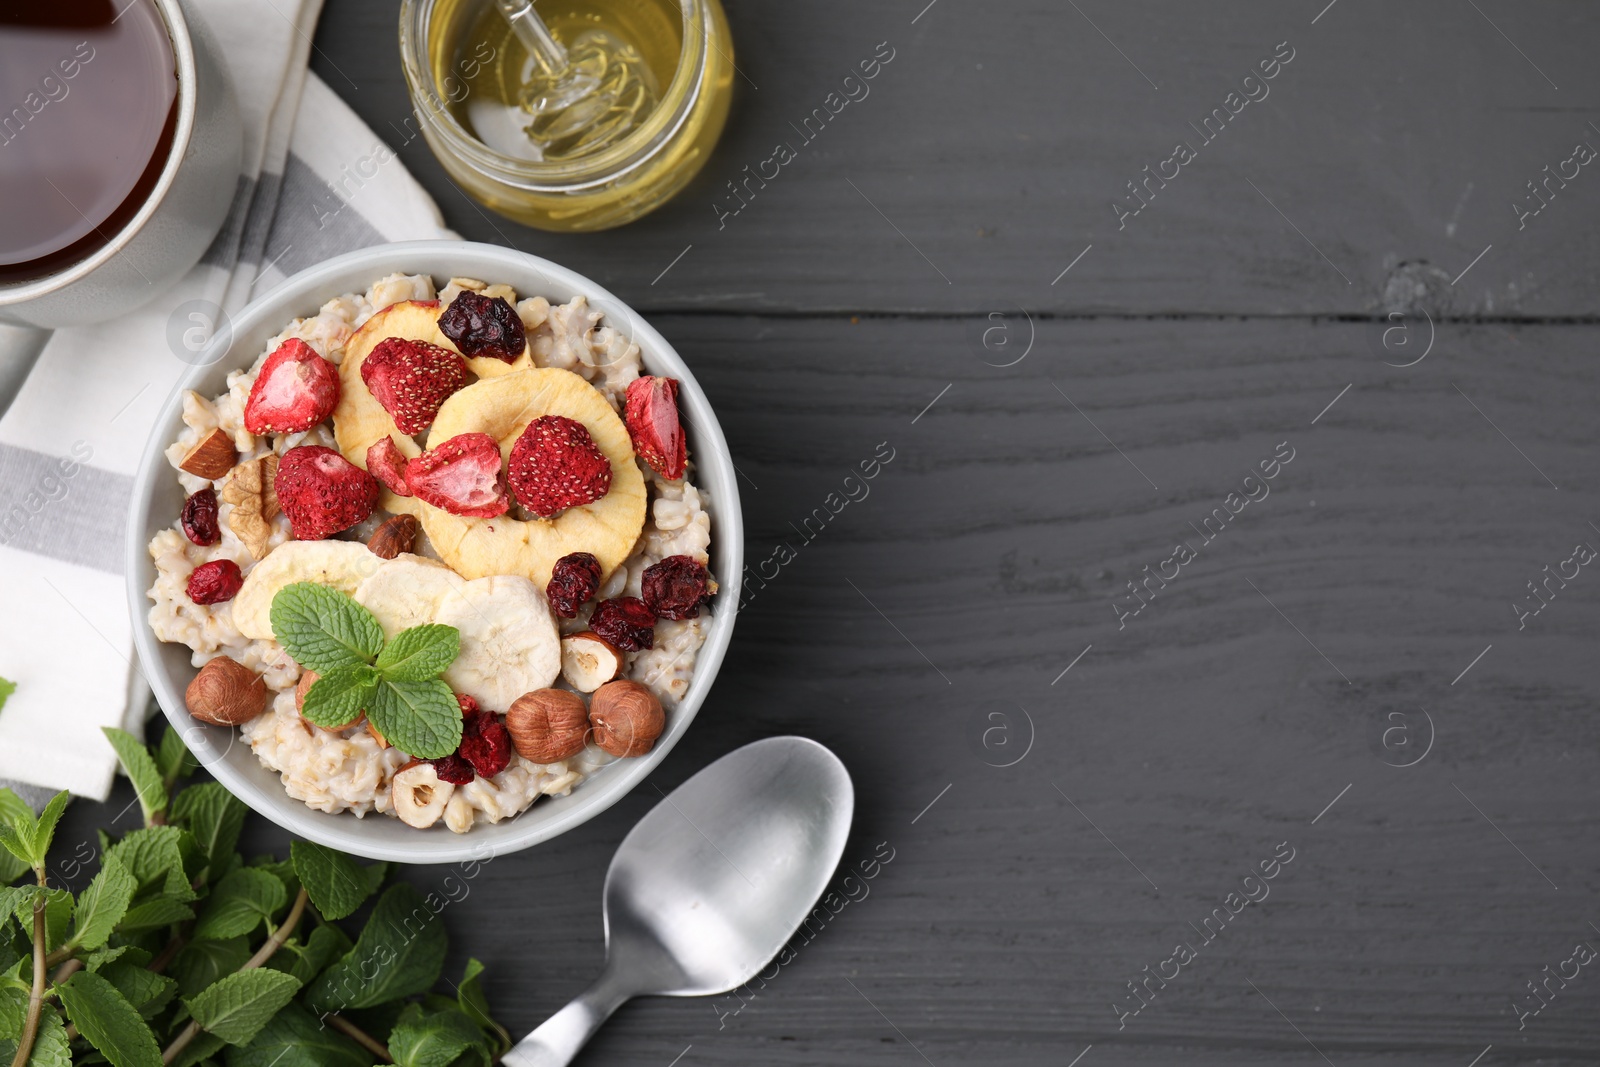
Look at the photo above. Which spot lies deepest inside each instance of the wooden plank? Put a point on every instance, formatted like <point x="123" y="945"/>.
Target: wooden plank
<point x="980" y="563"/>
<point x="1379" y="164"/>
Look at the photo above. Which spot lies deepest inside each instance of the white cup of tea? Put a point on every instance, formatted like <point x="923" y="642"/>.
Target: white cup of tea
<point x="119" y="158"/>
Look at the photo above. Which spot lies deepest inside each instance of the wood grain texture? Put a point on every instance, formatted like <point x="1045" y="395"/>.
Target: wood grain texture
<point x="995" y="142"/>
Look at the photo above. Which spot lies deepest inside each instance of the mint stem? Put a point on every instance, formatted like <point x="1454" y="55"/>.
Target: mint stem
<point x="264" y="953"/>
<point x="30" y="1027"/>
<point x="359" y="1036"/>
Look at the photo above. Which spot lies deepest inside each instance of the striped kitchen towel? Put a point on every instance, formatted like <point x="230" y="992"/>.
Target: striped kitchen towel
<point x="70" y="442"/>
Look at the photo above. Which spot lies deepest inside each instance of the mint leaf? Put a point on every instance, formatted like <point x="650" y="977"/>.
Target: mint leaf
<point x="420" y="653"/>
<point x="213" y="817"/>
<point x="337" y="884"/>
<point x="242" y="901"/>
<point x="324" y="629"/>
<point x="296" y="1038"/>
<point x="203" y="963"/>
<point x="147" y="991"/>
<point x="236" y="1008"/>
<point x="156" y="854"/>
<point x="14" y="811"/>
<point x="50" y="1048"/>
<point x="420" y="1039"/>
<point x="173" y="758"/>
<point x="7" y="687"/>
<point x="422" y="719"/>
<point x="469" y="994"/>
<point x="338" y="697"/>
<point x="103" y="904"/>
<point x="399" y="953"/>
<point x="141" y="770"/>
<point x="305" y="962"/>
<point x="154" y="914"/>
<point x="58" y="905"/>
<point x="112" y="1025"/>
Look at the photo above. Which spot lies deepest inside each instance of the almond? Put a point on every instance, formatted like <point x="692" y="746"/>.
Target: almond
<point x="226" y="693"/>
<point x="397" y="534"/>
<point x="589" y="661"/>
<point x="212" y="457"/>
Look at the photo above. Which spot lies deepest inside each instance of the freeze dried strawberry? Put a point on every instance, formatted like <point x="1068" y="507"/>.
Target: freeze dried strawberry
<point x="626" y="622"/>
<point x="469" y="707"/>
<point x="462" y="476"/>
<point x="573" y="581"/>
<point x="453" y="769"/>
<point x="556" y="465"/>
<point x="484" y="326"/>
<point x="199" y="518"/>
<point x="214" y="582"/>
<point x="295" y="390"/>
<point x="411" y="379"/>
<point x="486" y="744"/>
<point x="322" y="492"/>
<point x="651" y="412"/>
<point x="387" y="463"/>
<point x="676" y="587"/>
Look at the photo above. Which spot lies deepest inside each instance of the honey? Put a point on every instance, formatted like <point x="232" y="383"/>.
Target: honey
<point x="657" y="76"/>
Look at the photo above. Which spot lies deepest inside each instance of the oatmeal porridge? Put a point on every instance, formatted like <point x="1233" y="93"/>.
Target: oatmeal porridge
<point x="440" y="553"/>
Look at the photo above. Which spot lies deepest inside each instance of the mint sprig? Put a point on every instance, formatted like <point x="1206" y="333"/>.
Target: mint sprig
<point x="181" y="952"/>
<point x="396" y="683"/>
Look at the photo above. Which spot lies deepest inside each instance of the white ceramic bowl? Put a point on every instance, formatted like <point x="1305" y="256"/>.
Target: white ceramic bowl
<point x="157" y="498"/>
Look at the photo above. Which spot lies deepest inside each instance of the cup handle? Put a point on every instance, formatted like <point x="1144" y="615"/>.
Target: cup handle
<point x="19" y="349"/>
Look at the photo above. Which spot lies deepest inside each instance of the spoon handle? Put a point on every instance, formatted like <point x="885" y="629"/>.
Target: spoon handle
<point x="558" y="1040"/>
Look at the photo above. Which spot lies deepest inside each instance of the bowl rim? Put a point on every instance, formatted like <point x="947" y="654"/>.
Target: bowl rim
<point x="302" y="294"/>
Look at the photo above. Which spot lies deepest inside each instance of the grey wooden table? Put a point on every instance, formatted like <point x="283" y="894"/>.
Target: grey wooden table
<point x="1345" y="664"/>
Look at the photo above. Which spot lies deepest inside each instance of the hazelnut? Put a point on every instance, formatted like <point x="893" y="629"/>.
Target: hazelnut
<point x="419" y="795"/>
<point x="589" y="661"/>
<point x="226" y="693"/>
<point x="397" y="534"/>
<point x="211" y="457"/>
<point x="548" y="725"/>
<point x="627" y="718"/>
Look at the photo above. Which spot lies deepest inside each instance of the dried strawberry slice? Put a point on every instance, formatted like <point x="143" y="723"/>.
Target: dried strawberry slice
<point x="295" y="390"/>
<point x="461" y="476"/>
<point x="322" y="492"/>
<point x="215" y="582"/>
<point x="651" y="412"/>
<point x="556" y="465"/>
<point x="387" y="463"/>
<point x="484" y="326"/>
<point x="626" y="622"/>
<point x="411" y="379"/>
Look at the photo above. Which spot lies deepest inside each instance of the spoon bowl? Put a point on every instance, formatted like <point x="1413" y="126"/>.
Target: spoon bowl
<point x="709" y="885"/>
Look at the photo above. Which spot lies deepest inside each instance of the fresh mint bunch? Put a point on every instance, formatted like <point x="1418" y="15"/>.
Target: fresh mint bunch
<point x="181" y="951"/>
<point x="396" y="683"/>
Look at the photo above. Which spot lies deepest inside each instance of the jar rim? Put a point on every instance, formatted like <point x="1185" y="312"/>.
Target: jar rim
<point x="565" y="176"/>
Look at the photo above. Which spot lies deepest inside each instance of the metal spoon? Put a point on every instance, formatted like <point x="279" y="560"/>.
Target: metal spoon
<point x="710" y="884"/>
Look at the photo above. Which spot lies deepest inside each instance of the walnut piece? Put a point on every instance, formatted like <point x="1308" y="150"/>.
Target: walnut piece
<point x="255" y="502"/>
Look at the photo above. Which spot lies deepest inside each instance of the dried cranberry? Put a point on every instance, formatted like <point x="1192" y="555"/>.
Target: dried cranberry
<point x="469" y="707"/>
<point x="486" y="744"/>
<point x="199" y="518"/>
<point x="452" y="769"/>
<point x="214" y="582"/>
<point x="484" y="326"/>
<point x="625" y="622"/>
<point x="676" y="587"/>
<point x="573" y="581"/>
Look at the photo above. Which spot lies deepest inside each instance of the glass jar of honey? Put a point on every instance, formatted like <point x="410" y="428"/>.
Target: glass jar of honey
<point x="666" y="65"/>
